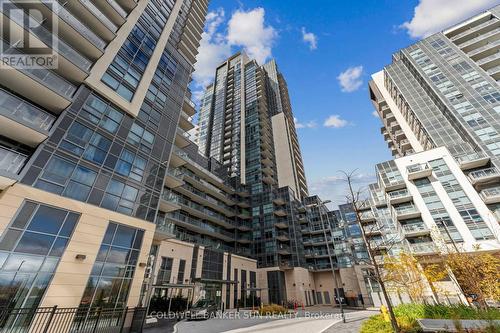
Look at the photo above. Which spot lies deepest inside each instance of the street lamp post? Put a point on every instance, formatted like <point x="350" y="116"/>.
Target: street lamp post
<point x="330" y="257"/>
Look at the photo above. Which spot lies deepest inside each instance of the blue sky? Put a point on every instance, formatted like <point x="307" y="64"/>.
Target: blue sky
<point x="327" y="50"/>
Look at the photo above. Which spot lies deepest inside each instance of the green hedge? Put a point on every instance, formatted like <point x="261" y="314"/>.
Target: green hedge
<point x="407" y="315"/>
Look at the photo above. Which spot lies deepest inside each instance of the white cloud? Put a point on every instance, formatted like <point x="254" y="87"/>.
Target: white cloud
<point x="335" y="121"/>
<point x="431" y="16"/>
<point x="245" y="30"/>
<point x="309" y="124"/>
<point x="350" y="79"/>
<point x="310" y="38"/>
<point x="375" y="114"/>
<point x="212" y="51"/>
<point x="248" y="30"/>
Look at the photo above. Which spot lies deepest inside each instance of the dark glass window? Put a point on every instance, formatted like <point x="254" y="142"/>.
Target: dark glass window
<point x="30" y="250"/>
<point x="114" y="268"/>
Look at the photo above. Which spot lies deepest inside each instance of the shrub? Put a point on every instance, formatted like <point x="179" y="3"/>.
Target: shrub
<point x="272" y="309"/>
<point x="376" y="324"/>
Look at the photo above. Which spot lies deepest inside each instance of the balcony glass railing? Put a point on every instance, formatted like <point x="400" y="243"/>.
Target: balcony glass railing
<point x="493" y="70"/>
<point x="470" y="157"/>
<point x="117" y="8"/>
<point x="170" y="197"/>
<point x="11" y="161"/>
<point x="402" y="210"/>
<point x="284" y="247"/>
<point x="45" y="77"/>
<point x="414" y="227"/>
<point x="417" y="167"/>
<point x="490" y="192"/>
<point x="17" y="109"/>
<point x="199" y="224"/>
<point x="163" y="225"/>
<point x="423" y="247"/>
<point x="76" y="24"/>
<point x="98" y="14"/>
<point x="47" y="37"/>
<point x="366" y="215"/>
<point x="398" y="194"/>
<point x="484" y="173"/>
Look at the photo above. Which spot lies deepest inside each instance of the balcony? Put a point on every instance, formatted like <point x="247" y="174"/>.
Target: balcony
<point x="488" y="48"/>
<point x="244" y="226"/>
<point x="23" y="121"/>
<point x="185" y="122"/>
<point x="399" y="196"/>
<point x="283" y="249"/>
<point x="415" y="229"/>
<point x="366" y="216"/>
<point x="87" y="12"/>
<point x="169" y="202"/>
<point x="484" y="176"/>
<point x="490" y="195"/>
<point x="189" y="107"/>
<point x="199" y="226"/>
<point x="406" y="212"/>
<point x="302" y="219"/>
<point x="419" y="170"/>
<point x="472" y="161"/>
<point x="72" y="30"/>
<point x="280" y="212"/>
<point x="244" y="215"/>
<point x="71" y="63"/>
<point x="487" y="37"/>
<point x="280" y="224"/>
<point x="282" y="236"/>
<point x="181" y="138"/>
<point x="285" y="265"/>
<point x="164" y="229"/>
<point x="11" y="163"/>
<point x="423" y="248"/>
<point x="472" y="31"/>
<point x="244" y="239"/>
<point x="113" y="10"/>
<point x="178" y="158"/>
<point x="42" y="86"/>
<point x="174" y="178"/>
<point x="268" y="180"/>
<point x="279" y="201"/>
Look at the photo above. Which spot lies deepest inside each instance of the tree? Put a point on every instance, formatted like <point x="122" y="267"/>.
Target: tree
<point x="403" y="273"/>
<point x="353" y="198"/>
<point x="477" y="273"/>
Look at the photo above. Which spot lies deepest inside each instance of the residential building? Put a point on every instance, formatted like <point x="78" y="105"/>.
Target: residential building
<point x="442" y="92"/>
<point x="439" y="102"/>
<point x="85" y="147"/>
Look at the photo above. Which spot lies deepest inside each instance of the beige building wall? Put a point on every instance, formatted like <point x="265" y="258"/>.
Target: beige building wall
<point x="178" y="250"/>
<point x="284" y="155"/>
<point x="71" y="276"/>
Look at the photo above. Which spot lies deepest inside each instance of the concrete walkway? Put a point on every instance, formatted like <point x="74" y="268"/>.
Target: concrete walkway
<point x="353" y="322"/>
<point x="309" y="325"/>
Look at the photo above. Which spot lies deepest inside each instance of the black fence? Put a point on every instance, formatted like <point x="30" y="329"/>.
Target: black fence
<point x="72" y="320"/>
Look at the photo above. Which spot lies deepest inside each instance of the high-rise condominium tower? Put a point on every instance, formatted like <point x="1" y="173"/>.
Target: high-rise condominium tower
<point x="443" y="92"/>
<point x="246" y="123"/>
<point x="439" y="101"/>
<point x="85" y="143"/>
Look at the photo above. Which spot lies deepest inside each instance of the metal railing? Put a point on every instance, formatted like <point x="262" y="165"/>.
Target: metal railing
<point x="470" y="157"/>
<point x="407" y="209"/>
<point x="72" y="320"/>
<point x="11" y="161"/>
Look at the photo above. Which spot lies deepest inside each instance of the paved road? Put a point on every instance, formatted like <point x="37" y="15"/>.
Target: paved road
<point x="312" y="320"/>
